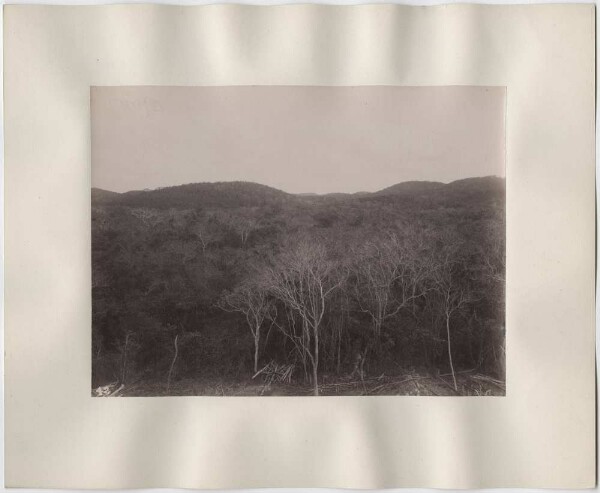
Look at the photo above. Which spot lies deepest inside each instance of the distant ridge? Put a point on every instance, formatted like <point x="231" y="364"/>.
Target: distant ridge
<point x="100" y="196"/>
<point x="249" y="194"/>
<point x="411" y="187"/>
<point x="479" y="181"/>
<point x="196" y="195"/>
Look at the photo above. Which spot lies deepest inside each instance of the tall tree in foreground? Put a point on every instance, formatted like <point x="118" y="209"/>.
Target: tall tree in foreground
<point x="452" y="292"/>
<point x="252" y="300"/>
<point x="303" y="278"/>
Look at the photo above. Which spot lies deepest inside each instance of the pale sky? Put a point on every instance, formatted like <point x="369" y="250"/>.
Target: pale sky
<point x="295" y="138"/>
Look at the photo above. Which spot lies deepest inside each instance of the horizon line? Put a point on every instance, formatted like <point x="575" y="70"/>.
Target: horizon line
<point x="293" y="193"/>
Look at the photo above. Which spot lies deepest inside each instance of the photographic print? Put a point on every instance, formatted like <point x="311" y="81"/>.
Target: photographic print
<point x="298" y="241"/>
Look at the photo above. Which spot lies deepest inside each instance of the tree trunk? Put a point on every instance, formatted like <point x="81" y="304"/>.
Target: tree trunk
<point x="172" y="364"/>
<point x="124" y="359"/>
<point x="305" y="346"/>
<point x="316" y="361"/>
<point x="256" y="345"/>
<point x="450" y="351"/>
<point x="339" y="350"/>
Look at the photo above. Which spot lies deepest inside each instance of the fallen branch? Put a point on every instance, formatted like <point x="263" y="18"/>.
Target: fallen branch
<point x="458" y="372"/>
<point x="395" y="383"/>
<point x="491" y="380"/>
<point x="448" y="385"/>
<point x="114" y="394"/>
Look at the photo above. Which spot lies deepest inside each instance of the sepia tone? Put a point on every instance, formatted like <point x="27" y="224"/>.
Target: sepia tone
<point x="298" y="241"/>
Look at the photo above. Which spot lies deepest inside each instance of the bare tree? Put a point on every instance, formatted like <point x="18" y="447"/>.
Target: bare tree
<point x="172" y="367"/>
<point x="206" y="230"/>
<point x="124" y="348"/>
<point x="338" y="323"/>
<point x="452" y="292"/>
<point x="252" y="300"/>
<point x="245" y="226"/>
<point x="376" y="270"/>
<point x="389" y="277"/>
<point x="286" y="321"/>
<point x="180" y="336"/>
<point x="493" y="252"/>
<point x="303" y="279"/>
<point x="243" y="223"/>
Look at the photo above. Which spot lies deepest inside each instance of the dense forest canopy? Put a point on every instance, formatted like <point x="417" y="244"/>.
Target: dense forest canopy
<point x="221" y="281"/>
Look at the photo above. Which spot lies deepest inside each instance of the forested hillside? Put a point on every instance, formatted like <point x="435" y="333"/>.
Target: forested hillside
<point x="237" y="288"/>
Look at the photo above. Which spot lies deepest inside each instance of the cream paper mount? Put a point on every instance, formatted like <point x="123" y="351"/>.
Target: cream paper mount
<point x="541" y="434"/>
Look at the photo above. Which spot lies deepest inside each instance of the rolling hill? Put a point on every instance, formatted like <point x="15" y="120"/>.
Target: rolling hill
<point x="247" y="194"/>
<point x="163" y="260"/>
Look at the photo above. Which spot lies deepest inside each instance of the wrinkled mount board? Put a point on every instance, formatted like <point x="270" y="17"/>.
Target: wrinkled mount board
<point x="541" y="434"/>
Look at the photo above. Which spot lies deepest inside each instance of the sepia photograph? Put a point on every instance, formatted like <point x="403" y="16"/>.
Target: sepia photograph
<point x="298" y="241"/>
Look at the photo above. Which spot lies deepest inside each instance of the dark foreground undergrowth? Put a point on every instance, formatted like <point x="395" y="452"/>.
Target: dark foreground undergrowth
<point x="408" y="384"/>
